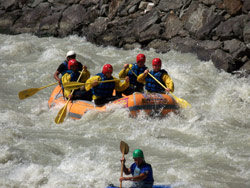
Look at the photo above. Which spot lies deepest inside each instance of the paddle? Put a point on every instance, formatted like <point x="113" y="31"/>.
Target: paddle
<point x="32" y="91"/>
<point x="183" y="103"/>
<point x="62" y="113"/>
<point x="124" y="149"/>
<point x="76" y="85"/>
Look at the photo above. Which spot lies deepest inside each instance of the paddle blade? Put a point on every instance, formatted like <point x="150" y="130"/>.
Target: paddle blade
<point x="182" y="103"/>
<point x="61" y="115"/>
<point x="124" y="147"/>
<point x="27" y="93"/>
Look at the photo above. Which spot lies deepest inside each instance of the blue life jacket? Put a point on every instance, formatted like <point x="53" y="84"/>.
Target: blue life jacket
<point x="65" y="63"/>
<point x="152" y="85"/>
<point x="104" y="89"/>
<point x="144" y="168"/>
<point x="137" y="70"/>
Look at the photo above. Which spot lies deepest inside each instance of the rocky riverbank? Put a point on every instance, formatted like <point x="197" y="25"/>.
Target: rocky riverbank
<point x="213" y="29"/>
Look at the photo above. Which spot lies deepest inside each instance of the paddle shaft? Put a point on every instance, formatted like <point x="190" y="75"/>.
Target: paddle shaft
<point x="122" y="168"/>
<point x="48" y="85"/>
<point x="61" y="115"/>
<point x="76" y="85"/>
<point x="180" y="101"/>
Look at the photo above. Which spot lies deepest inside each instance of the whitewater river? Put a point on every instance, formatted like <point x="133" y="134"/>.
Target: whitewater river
<point x="207" y="146"/>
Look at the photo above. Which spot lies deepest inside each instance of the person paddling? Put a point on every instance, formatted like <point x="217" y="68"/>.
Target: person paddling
<point x="132" y="71"/>
<point x="142" y="172"/>
<point x="103" y="92"/>
<point x="63" y="67"/>
<point x="160" y="74"/>
<point x="71" y="75"/>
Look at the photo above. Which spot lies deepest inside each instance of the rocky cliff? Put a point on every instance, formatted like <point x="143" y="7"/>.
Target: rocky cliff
<point x="213" y="29"/>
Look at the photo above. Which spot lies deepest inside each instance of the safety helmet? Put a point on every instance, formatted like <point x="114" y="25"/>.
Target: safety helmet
<point x="71" y="63"/>
<point x="70" y="53"/>
<point x="156" y="61"/>
<point x="107" y="68"/>
<point x="138" y="153"/>
<point x="140" y="57"/>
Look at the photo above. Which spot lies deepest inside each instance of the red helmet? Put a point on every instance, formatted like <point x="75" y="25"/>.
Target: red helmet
<point x="71" y="63"/>
<point x="156" y="61"/>
<point x="107" y="68"/>
<point x="140" y="58"/>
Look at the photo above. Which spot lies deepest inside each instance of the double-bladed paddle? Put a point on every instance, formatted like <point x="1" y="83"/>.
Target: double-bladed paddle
<point x="124" y="149"/>
<point x="32" y="91"/>
<point x="183" y="103"/>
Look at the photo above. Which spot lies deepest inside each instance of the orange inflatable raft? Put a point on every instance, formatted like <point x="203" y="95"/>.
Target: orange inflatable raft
<point x="153" y="104"/>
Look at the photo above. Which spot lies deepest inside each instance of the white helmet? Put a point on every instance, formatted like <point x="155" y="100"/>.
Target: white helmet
<point x="70" y="53"/>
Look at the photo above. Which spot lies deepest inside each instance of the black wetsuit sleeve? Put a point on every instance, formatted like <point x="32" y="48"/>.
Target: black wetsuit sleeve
<point x="61" y="68"/>
<point x="79" y="66"/>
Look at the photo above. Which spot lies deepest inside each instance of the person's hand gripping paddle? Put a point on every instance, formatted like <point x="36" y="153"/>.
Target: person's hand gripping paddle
<point x="124" y="149"/>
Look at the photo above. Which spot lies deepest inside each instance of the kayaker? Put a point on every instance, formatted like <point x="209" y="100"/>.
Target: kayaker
<point x="142" y="172"/>
<point x="63" y="67"/>
<point x="160" y="74"/>
<point x="132" y="71"/>
<point x="72" y="75"/>
<point x="103" y="92"/>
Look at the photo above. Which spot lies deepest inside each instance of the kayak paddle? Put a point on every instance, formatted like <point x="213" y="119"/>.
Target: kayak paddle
<point x="124" y="149"/>
<point x="183" y="103"/>
<point x="32" y="91"/>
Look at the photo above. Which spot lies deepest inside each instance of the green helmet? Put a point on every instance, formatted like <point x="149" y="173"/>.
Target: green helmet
<point x="138" y="153"/>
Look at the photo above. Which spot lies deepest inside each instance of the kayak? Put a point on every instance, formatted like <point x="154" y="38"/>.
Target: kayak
<point x="153" y="104"/>
<point x="154" y="186"/>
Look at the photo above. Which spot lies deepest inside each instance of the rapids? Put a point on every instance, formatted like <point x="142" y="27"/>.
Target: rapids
<point x="207" y="146"/>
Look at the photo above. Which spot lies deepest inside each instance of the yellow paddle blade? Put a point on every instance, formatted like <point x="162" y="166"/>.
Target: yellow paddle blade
<point x="181" y="102"/>
<point x="27" y="93"/>
<point x="124" y="147"/>
<point x="61" y="115"/>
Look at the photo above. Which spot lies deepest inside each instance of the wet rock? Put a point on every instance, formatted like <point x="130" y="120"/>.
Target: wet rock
<point x="172" y="26"/>
<point x="7" y="21"/>
<point x="72" y="19"/>
<point x="223" y="61"/>
<point x="246" y="7"/>
<point x="246" y="32"/>
<point x="232" y="6"/>
<point x="29" y="21"/>
<point x="212" y="29"/>
<point x="159" y="45"/>
<point x="236" y="48"/>
<point x="150" y="34"/>
<point x="231" y="28"/>
<point x="168" y="5"/>
<point x="50" y="25"/>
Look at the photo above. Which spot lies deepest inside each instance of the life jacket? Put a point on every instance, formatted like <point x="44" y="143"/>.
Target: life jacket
<point x="73" y="76"/>
<point x="136" y="171"/>
<point x="137" y="70"/>
<point x="65" y="64"/>
<point x="152" y="85"/>
<point x="104" y="89"/>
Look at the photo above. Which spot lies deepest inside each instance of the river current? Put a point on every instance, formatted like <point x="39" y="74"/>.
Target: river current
<point x="207" y="146"/>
